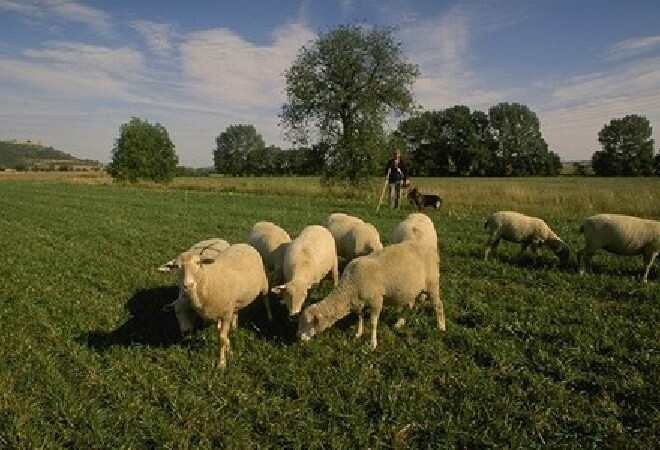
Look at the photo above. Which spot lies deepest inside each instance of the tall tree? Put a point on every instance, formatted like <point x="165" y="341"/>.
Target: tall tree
<point x="519" y="147"/>
<point x="143" y="151"/>
<point x="627" y="147"/>
<point x="340" y="88"/>
<point x="238" y="150"/>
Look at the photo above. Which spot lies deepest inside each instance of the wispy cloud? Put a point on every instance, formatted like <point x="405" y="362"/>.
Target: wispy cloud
<point x="157" y="35"/>
<point x="346" y="6"/>
<point x="575" y="110"/>
<point x="633" y="47"/>
<point x="69" y="11"/>
<point x="18" y="7"/>
<point x="72" y="69"/>
<point x="442" y="47"/>
<point x="222" y="66"/>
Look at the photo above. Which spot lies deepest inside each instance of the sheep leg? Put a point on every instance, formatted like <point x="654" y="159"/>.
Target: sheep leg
<point x="584" y="260"/>
<point x="491" y="245"/>
<point x="360" y="325"/>
<point x="335" y="272"/>
<point x="374" y="314"/>
<point x="269" y="312"/>
<point x="234" y="321"/>
<point x="223" y="340"/>
<point x="649" y="258"/>
<point x="439" y="310"/>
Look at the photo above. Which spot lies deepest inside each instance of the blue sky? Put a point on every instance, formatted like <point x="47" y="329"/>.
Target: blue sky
<point x="71" y="72"/>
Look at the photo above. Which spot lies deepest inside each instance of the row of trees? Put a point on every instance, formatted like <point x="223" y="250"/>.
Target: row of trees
<point x="456" y="141"/>
<point x="240" y="150"/>
<point x="340" y="90"/>
<point x="452" y="142"/>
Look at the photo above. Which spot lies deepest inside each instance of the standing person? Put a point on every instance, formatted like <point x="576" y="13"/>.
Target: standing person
<point x="396" y="174"/>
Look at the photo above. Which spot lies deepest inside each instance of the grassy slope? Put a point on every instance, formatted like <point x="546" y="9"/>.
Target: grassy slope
<point x="533" y="356"/>
<point x="12" y="155"/>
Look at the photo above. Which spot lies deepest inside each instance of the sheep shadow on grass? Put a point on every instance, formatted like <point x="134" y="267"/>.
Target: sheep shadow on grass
<point x="147" y="324"/>
<point x="280" y="331"/>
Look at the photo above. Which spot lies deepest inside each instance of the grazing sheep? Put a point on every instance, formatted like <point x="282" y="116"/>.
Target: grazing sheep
<point x="271" y="242"/>
<point x="416" y="226"/>
<point x="185" y="315"/>
<point x="621" y="235"/>
<point x="219" y="287"/>
<point x="307" y="260"/>
<point x="353" y="237"/>
<point x="397" y="275"/>
<point x="528" y="231"/>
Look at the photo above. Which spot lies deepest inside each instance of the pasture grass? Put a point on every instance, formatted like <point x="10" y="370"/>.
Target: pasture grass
<point x="534" y="355"/>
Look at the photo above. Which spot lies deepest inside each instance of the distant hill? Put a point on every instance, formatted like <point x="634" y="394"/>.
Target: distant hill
<point x="14" y="155"/>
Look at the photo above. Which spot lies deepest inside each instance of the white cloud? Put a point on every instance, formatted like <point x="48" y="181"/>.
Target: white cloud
<point x="346" y="6"/>
<point x="633" y="47"/>
<point x="18" y="7"/>
<point x="441" y="47"/>
<point x="577" y="109"/>
<point x="80" y="57"/>
<point x="70" y="11"/>
<point x="78" y="70"/>
<point x="223" y="67"/>
<point x="157" y="35"/>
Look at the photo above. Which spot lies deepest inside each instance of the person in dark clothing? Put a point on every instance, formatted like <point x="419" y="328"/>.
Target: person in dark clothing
<point x="397" y="175"/>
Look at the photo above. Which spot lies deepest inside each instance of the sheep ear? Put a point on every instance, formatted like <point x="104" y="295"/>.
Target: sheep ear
<point x="169" y="266"/>
<point x="278" y="289"/>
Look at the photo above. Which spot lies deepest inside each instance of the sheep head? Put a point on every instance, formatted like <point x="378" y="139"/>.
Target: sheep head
<point x="309" y="323"/>
<point x="192" y="266"/>
<point x="293" y="296"/>
<point x="560" y="249"/>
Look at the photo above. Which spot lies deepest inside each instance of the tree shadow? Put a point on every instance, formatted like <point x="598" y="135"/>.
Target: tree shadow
<point x="148" y="324"/>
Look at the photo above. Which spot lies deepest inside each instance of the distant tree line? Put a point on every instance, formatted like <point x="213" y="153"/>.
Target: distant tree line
<point x="240" y="151"/>
<point x="453" y="142"/>
<point x="458" y="142"/>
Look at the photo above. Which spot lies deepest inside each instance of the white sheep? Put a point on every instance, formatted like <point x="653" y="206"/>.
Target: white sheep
<point x="184" y="313"/>
<point x="209" y="247"/>
<point x="353" y="236"/>
<point x="219" y="287"/>
<point x="398" y="275"/>
<point x="528" y="231"/>
<point x="307" y="260"/>
<point x="621" y="235"/>
<point x="271" y="242"/>
<point x="416" y="226"/>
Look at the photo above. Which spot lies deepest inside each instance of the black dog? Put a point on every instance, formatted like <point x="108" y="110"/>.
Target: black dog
<point x="423" y="200"/>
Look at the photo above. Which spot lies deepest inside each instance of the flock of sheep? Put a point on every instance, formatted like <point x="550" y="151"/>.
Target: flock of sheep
<point x="217" y="279"/>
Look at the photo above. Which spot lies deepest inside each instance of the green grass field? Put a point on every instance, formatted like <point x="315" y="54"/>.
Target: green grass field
<point x="534" y="355"/>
